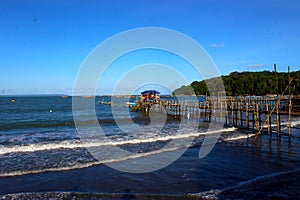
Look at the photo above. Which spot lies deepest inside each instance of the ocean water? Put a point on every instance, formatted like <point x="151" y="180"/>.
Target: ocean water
<point x="43" y="156"/>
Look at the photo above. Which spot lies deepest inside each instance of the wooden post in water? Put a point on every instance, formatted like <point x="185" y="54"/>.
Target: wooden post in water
<point x="277" y="106"/>
<point x="239" y="114"/>
<point x="215" y="105"/>
<point x="232" y="113"/>
<point x="247" y="117"/>
<point x="226" y="112"/>
<point x="204" y="106"/>
<point x="221" y="111"/>
<point x="253" y="116"/>
<point x="290" y="104"/>
<point x="190" y="111"/>
<point x="210" y="112"/>
<point x="184" y="109"/>
<point x="236" y="113"/>
<point x="278" y="118"/>
<point x="199" y="111"/>
<point x="276" y="80"/>
<point x="173" y="108"/>
<point x="195" y="110"/>
<point x="269" y="123"/>
<point x="257" y="117"/>
<point x="289" y="117"/>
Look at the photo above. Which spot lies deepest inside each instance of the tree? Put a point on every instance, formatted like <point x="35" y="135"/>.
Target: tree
<point x="244" y="83"/>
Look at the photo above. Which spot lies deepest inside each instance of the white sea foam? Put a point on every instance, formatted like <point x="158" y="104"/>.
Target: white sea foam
<point x="263" y="178"/>
<point x="214" y="194"/>
<point x="85" y="165"/>
<point x="239" y="137"/>
<point x="294" y="124"/>
<point x="211" y="194"/>
<point x="266" y="125"/>
<point x="107" y="142"/>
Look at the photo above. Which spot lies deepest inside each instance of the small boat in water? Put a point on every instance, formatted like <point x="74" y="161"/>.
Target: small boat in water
<point x="88" y="97"/>
<point x="130" y="104"/>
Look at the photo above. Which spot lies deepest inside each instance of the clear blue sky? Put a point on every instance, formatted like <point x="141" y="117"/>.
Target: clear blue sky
<point x="44" y="42"/>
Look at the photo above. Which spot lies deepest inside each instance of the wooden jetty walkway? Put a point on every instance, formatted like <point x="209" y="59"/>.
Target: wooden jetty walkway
<point x="250" y="113"/>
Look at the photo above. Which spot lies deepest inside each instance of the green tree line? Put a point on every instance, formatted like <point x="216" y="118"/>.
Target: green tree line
<point x="245" y="83"/>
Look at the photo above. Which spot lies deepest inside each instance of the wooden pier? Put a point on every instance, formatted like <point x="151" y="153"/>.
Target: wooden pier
<point x="250" y="113"/>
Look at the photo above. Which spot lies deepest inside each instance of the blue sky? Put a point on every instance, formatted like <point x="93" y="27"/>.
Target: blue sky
<point x="44" y="43"/>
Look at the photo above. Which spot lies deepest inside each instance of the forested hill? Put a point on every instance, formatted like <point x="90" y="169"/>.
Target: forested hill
<point x="246" y="83"/>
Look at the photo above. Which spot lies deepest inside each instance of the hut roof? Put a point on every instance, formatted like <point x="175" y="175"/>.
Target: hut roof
<point x="150" y="92"/>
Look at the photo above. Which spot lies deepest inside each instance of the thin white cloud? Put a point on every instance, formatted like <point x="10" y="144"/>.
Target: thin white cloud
<point x="214" y="45"/>
<point x="255" y="66"/>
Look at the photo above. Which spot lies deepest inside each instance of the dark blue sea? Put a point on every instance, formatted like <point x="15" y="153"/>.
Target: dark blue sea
<point x="43" y="156"/>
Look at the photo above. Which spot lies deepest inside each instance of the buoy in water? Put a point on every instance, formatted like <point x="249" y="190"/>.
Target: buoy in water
<point x="50" y="110"/>
<point x="13" y="100"/>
